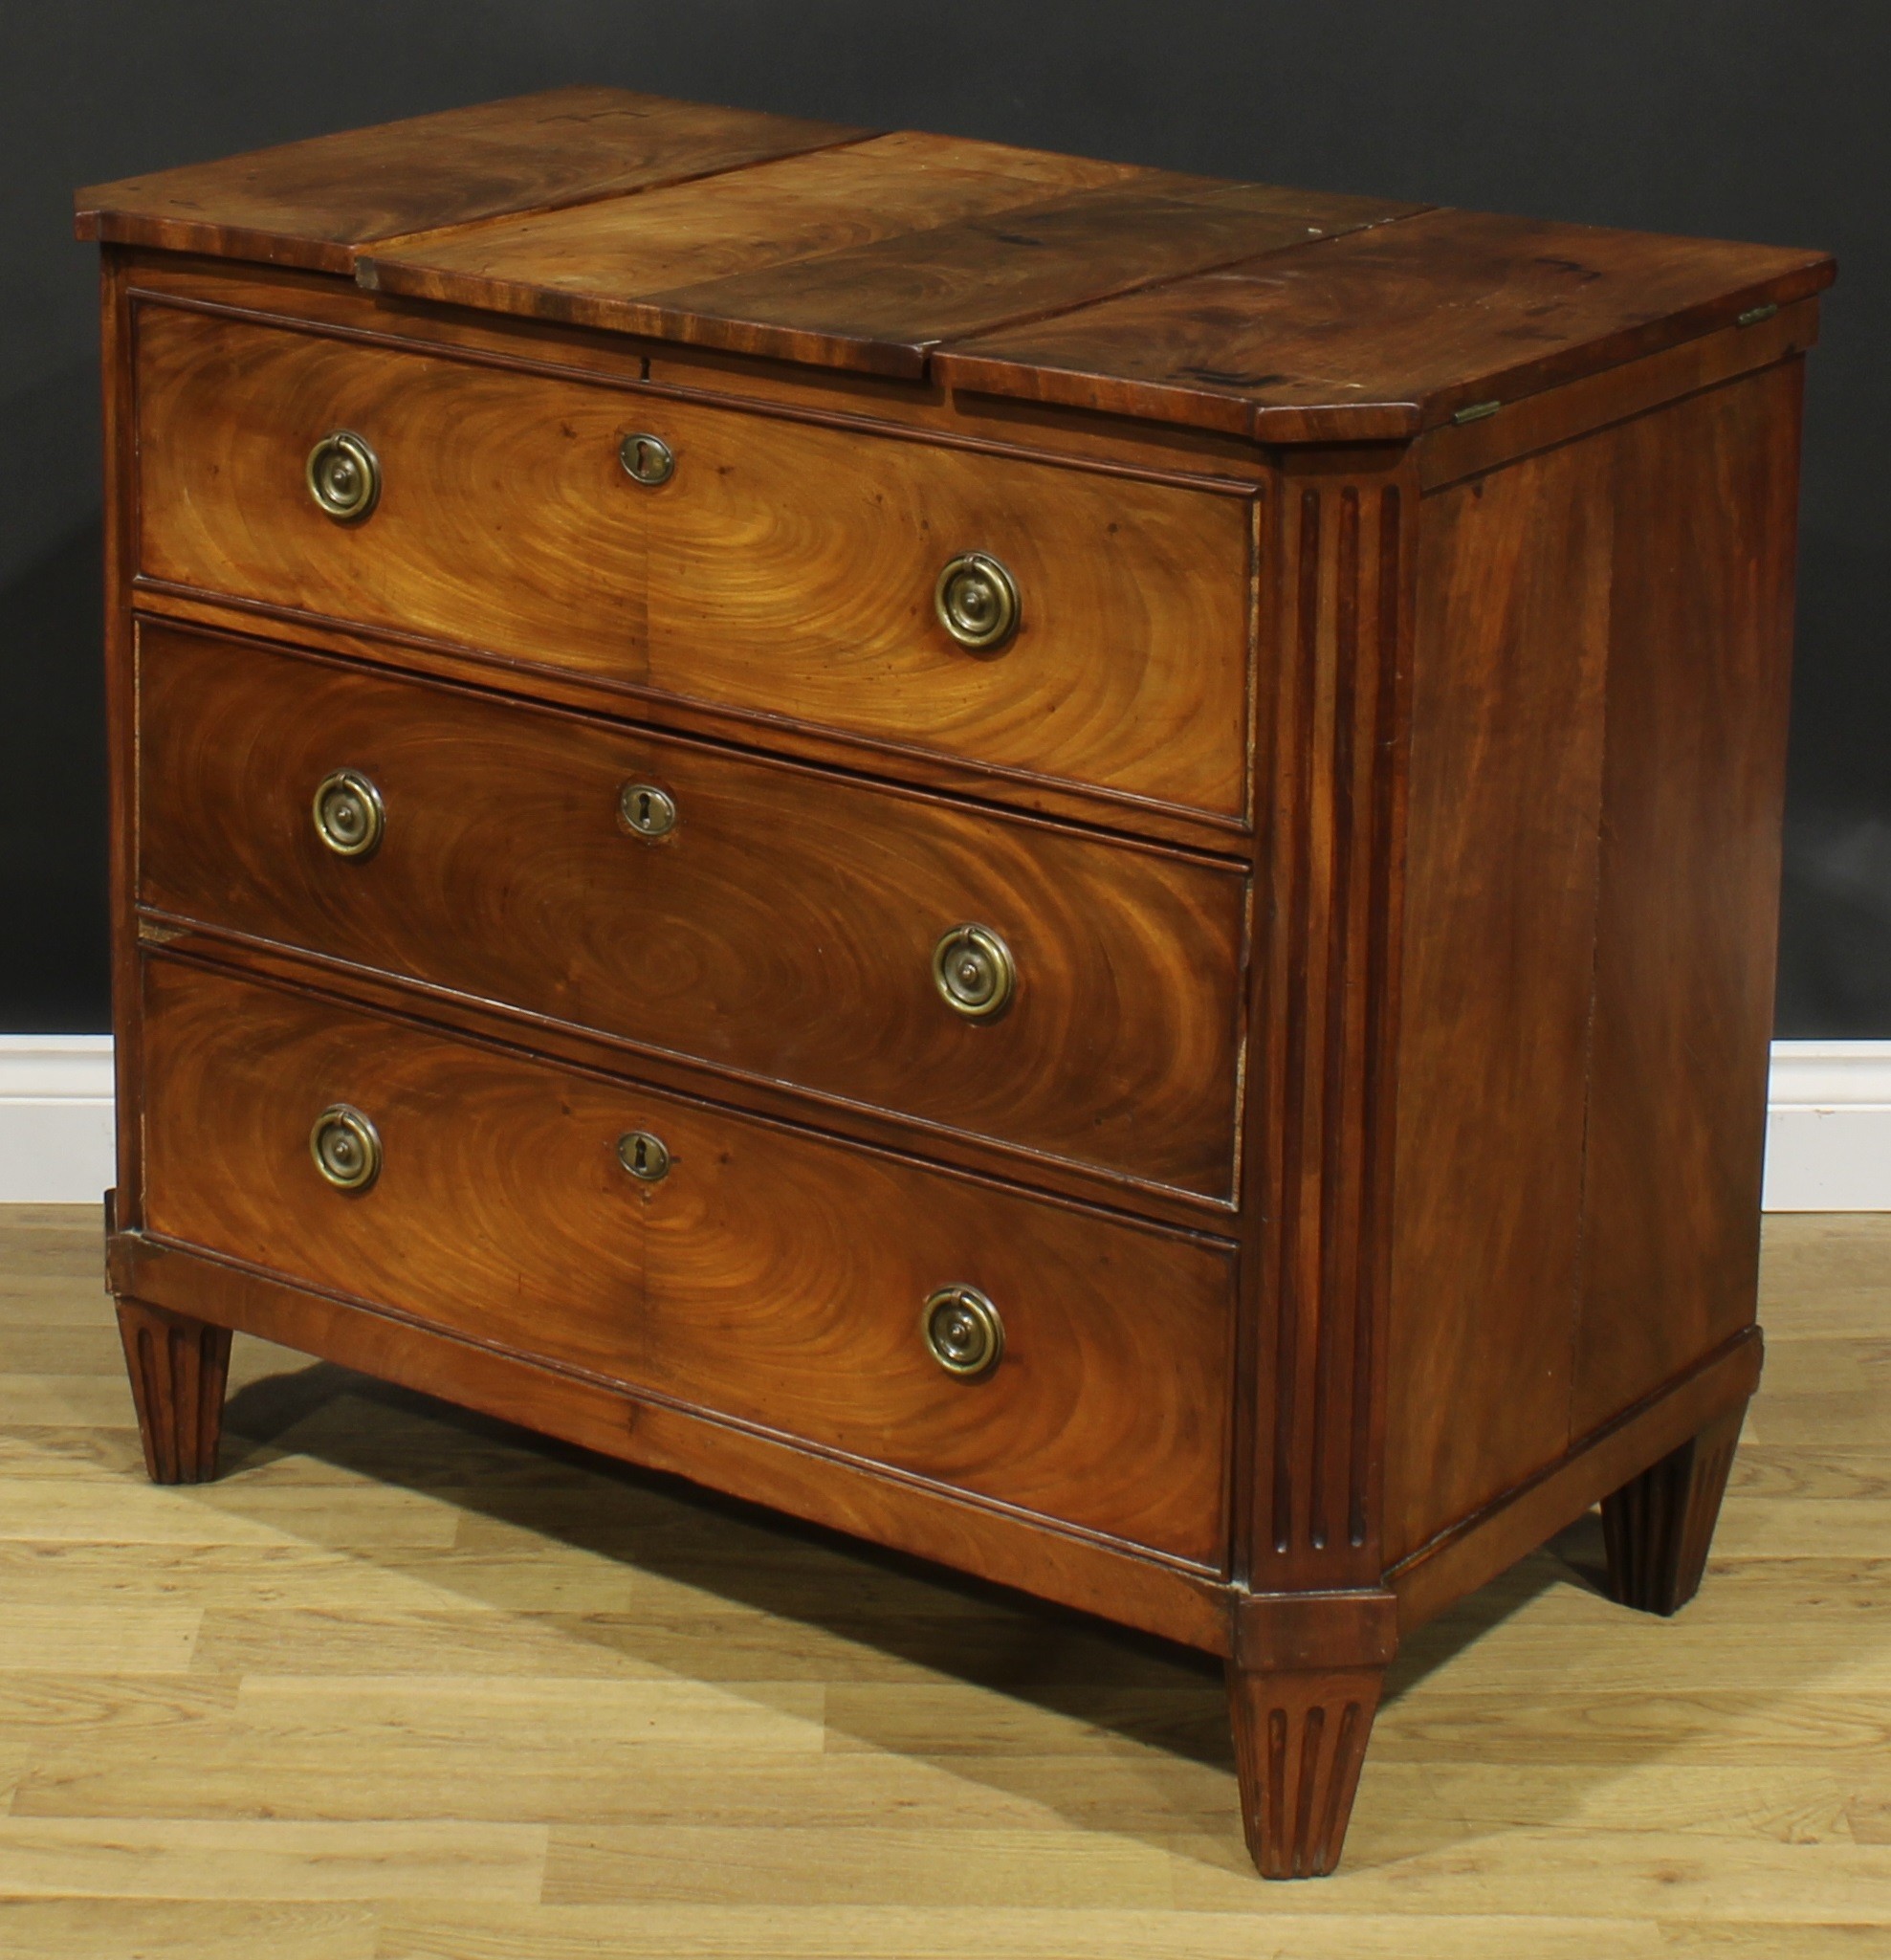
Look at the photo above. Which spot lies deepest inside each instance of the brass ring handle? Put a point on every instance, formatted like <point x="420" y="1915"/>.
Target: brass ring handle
<point x="646" y="810"/>
<point x="346" y="1148"/>
<point x="643" y="1155"/>
<point x="977" y="601"/>
<point x="343" y="477"/>
<point x="647" y="459"/>
<point x="973" y="970"/>
<point x="963" y="1332"/>
<point x="349" y="815"/>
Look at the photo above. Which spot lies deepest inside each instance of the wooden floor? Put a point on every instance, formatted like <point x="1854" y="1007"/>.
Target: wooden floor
<point x="408" y="1684"/>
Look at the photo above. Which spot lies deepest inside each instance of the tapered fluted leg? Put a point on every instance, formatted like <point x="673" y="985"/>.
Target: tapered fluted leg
<point x="1303" y="1687"/>
<point x="1300" y="1741"/>
<point x="1658" y="1527"/>
<point x="177" y="1368"/>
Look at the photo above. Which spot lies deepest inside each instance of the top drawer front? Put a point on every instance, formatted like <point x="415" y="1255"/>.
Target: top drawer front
<point x="785" y="568"/>
<point x="504" y="519"/>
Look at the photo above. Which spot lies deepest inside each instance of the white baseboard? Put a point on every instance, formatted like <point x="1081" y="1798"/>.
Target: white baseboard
<point x="56" y="1118"/>
<point x="1829" y="1127"/>
<point x="1827" y="1123"/>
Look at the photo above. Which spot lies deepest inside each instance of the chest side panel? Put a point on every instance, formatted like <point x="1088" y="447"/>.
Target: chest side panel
<point x="1701" y="648"/>
<point x="1505" y="788"/>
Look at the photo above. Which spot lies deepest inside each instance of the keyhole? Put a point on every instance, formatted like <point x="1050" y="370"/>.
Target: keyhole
<point x="646" y="810"/>
<point x="643" y="1155"/>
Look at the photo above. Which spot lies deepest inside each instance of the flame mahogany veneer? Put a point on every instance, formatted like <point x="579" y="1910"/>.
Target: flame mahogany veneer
<point x="1373" y="810"/>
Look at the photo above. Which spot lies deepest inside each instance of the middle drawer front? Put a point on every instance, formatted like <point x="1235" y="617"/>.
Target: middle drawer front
<point x="771" y="1276"/>
<point x="784" y="927"/>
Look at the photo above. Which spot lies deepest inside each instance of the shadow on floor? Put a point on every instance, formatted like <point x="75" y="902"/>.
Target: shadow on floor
<point x="1121" y="1682"/>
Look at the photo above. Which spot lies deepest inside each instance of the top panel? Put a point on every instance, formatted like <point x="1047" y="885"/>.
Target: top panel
<point x="1280" y="315"/>
<point x="864" y="257"/>
<point x="1386" y="332"/>
<point x="315" y="203"/>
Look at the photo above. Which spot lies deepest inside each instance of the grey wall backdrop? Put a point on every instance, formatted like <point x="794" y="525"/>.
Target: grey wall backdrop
<point x="1751" y="119"/>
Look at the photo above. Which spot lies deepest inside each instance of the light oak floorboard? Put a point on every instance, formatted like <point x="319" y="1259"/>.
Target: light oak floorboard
<point x="406" y="1684"/>
<point x="97" y="1637"/>
<point x="185" y="1929"/>
<point x="197" y="1857"/>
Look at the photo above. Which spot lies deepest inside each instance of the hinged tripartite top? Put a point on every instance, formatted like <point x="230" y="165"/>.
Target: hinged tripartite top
<point x="1283" y="315"/>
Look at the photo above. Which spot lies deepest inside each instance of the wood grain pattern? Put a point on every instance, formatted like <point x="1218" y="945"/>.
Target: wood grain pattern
<point x="178" y="1368"/>
<point x="785" y="568"/>
<point x="314" y="203"/>
<point x="1511" y="658"/>
<point x="864" y="257"/>
<point x="1701" y="647"/>
<point x="617" y="263"/>
<point x="784" y="930"/>
<point x="1339" y="572"/>
<point x="792" y="570"/>
<point x="772" y="213"/>
<point x="1383" y="332"/>
<point x="774" y="1278"/>
<point x="888" y="305"/>
<point x="504" y="519"/>
<point x="1659" y="1527"/>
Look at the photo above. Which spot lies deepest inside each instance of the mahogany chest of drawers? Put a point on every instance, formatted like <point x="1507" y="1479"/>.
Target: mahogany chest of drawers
<point x="1070" y="867"/>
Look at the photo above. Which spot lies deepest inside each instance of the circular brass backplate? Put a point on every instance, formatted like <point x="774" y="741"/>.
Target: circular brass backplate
<point x="348" y="816"/>
<point x="973" y="970"/>
<point x="977" y="601"/>
<point x="963" y="1332"/>
<point x="346" y="1148"/>
<point x="647" y="811"/>
<point x="643" y="1155"/>
<point x="343" y="477"/>
<point x="647" y="459"/>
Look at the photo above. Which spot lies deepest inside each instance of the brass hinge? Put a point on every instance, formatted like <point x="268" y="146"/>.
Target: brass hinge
<point x="1476" y="411"/>
<point x="1754" y="315"/>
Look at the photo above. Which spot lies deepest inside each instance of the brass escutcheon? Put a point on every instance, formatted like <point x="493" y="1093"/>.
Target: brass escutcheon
<point x="646" y="810"/>
<point x="963" y="1332"/>
<point x="343" y="477"/>
<point x="647" y="459"/>
<point x="977" y="601"/>
<point x="645" y="1157"/>
<point x="348" y="816"/>
<point x="973" y="970"/>
<point x="346" y="1148"/>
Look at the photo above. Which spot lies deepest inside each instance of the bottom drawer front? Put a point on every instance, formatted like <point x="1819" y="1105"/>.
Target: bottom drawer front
<point x="768" y="1274"/>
